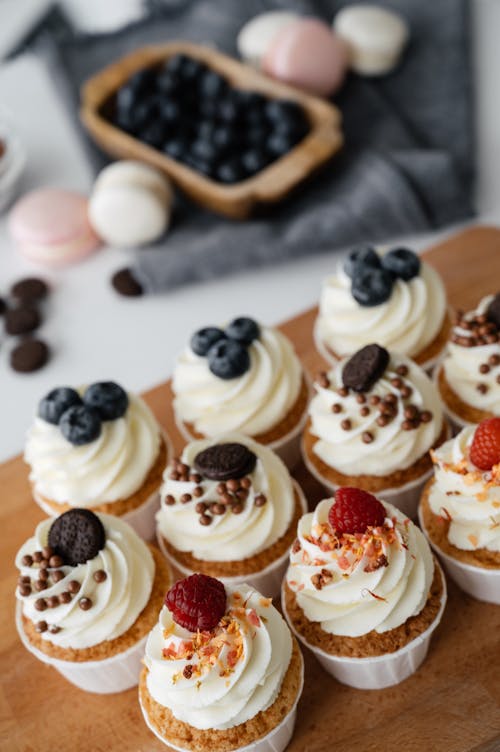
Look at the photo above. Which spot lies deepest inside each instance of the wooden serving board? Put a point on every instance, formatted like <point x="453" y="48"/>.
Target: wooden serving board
<point x="452" y="703"/>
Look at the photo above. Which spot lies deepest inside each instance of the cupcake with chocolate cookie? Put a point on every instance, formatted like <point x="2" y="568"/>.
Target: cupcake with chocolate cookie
<point x="372" y="422"/>
<point x="88" y="593"/>
<point x="229" y="509"/>
<point x="468" y="377"/>
<point x="101" y="448"/>
<point x="245" y="378"/>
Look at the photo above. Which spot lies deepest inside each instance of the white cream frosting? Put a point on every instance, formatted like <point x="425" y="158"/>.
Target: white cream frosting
<point x="407" y="322"/>
<point x="392" y="447"/>
<point x="252" y="403"/>
<point x="470" y="496"/>
<point x="116" y="602"/>
<point x="112" y="467"/>
<point x="354" y="601"/>
<point x="461" y="367"/>
<point x="230" y="536"/>
<point x="253" y="658"/>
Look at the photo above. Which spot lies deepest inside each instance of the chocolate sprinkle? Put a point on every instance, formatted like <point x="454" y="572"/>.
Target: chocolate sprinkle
<point x="365" y="367"/>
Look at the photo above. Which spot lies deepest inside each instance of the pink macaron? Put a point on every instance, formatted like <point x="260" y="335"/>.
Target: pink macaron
<point x="307" y="54"/>
<point x="51" y="227"/>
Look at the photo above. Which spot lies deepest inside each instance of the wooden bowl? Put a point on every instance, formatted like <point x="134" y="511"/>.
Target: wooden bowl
<point x="237" y="200"/>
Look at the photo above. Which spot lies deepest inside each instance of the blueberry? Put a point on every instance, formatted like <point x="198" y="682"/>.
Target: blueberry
<point x="204" y="149"/>
<point x="252" y="101"/>
<point x="255" y="160"/>
<point x="229" y="110"/>
<point x="169" y="110"/>
<point x="257" y="135"/>
<point x="278" y="110"/>
<point x="230" y="172"/>
<point x="175" y="64"/>
<point x="167" y="82"/>
<point x="371" y="286"/>
<point x="279" y="144"/>
<point x="126" y="98"/>
<point x="209" y="108"/>
<point x="142" y="114"/>
<point x="153" y="134"/>
<point x="80" y="425"/>
<point x="364" y="256"/>
<point x="107" y="398"/>
<point x="176" y="148"/>
<point x="402" y="262"/>
<point x="142" y="80"/>
<point x="203" y="339"/>
<point x="293" y="130"/>
<point x="243" y="330"/>
<point x="199" y="164"/>
<point x="212" y="84"/>
<point x="56" y="402"/>
<point x="224" y="138"/>
<point x="228" y="359"/>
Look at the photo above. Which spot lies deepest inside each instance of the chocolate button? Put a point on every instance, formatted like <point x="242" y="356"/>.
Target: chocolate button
<point x="29" y="289"/>
<point x="225" y="461"/>
<point x="77" y="536"/>
<point x="365" y="368"/>
<point x="30" y="355"/>
<point x="493" y="312"/>
<point x="125" y="284"/>
<point x="22" y="320"/>
<point x="3" y="306"/>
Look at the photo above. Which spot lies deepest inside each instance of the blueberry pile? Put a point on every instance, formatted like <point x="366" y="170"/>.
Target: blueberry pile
<point x="372" y="276"/>
<point x="80" y="418"/>
<point x="226" y="350"/>
<point x="191" y="113"/>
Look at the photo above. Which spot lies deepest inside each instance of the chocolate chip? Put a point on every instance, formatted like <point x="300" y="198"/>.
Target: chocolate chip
<point x="225" y="461"/>
<point x="29" y="289"/>
<point x="77" y="536"/>
<point x="125" y="284"/>
<point x="493" y="311"/>
<point x="85" y="604"/>
<point x="29" y="356"/>
<point x="22" y="320"/>
<point x="365" y="368"/>
<point x="100" y="575"/>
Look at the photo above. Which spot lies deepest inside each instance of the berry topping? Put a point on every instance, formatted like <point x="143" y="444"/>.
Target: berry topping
<point x="203" y="339"/>
<point x="366" y="256"/>
<point x="485" y="447"/>
<point x="228" y="359"/>
<point x="225" y="461"/>
<point x="107" y="398"/>
<point x="197" y="603"/>
<point x="371" y="286"/>
<point x="77" y="536"/>
<point x="56" y="402"/>
<point x="365" y="368"/>
<point x="493" y="311"/>
<point x="354" y="511"/>
<point x="402" y="262"/>
<point x="243" y="330"/>
<point x="80" y="425"/>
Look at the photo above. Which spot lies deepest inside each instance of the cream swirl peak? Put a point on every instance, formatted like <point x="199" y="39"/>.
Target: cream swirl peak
<point x="78" y="606"/>
<point x="224" y="677"/>
<point x="355" y="583"/>
<point x="231" y="519"/>
<point x="466" y="496"/>
<point x="376" y="431"/>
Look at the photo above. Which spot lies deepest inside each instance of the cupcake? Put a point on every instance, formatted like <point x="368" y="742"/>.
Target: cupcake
<point x="222" y="671"/>
<point x="100" y="448"/>
<point x="394" y="299"/>
<point x="229" y="509"/>
<point x="363" y="591"/>
<point x="245" y="378"/>
<point x="469" y="375"/>
<point x="88" y="593"/>
<point x="371" y="424"/>
<point x="460" y="509"/>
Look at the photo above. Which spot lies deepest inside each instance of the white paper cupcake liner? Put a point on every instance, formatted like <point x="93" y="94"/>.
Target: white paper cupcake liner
<point x="114" y="674"/>
<point x="380" y="671"/>
<point x="455" y="421"/>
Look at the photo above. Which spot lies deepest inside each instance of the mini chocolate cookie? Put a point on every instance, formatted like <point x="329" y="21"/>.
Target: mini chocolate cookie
<point x="22" y="320"/>
<point x="493" y="311"/>
<point x="125" y="284"/>
<point x="77" y="536"/>
<point x="29" y="289"/>
<point x="30" y="355"/>
<point x="225" y="461"/>
<point x="365" y="368"/>
<point x="3" y="306"/>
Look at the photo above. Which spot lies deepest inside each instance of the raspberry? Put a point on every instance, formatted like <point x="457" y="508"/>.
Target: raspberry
<point x="485" y="447"/>
<point x="197" y="603"/>
<point x="354" y="511"/>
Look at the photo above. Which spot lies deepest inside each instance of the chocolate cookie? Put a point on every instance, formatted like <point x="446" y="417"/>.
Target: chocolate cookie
<point x="493" y="311"/>
<point x="225" y="461"/>
<point x="77" y="536"/>
<point x="365" y="368"/>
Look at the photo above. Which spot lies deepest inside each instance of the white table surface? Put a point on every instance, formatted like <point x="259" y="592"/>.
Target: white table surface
<point x="94" y="333"/>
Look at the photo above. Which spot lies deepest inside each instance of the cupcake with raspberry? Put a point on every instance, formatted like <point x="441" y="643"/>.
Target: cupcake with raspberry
<point x="460" y="509"/>
<point x="393" y="298"/>
<point x="363" y="591"/>
<point x="88" y="594"/>
<point x="245" y="378"/>
<point x="222" y="671"/>
<point x="468" y="377"/>
<point x="372" y="422"/>
<point x="229" y="509"/>
<point x="101" y="448"/>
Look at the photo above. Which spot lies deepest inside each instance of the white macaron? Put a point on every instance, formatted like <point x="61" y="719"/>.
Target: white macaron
<point x="256" y="36"/>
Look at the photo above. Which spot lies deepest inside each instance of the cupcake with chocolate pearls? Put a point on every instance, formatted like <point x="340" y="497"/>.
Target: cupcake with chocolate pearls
<point x="88" y="593"/>
<point x="245" y="378"/>
<point x="229" y="509"/>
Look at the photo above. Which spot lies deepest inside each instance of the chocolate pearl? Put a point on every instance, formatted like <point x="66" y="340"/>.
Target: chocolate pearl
<point x="53" y="601"/>
<point x="402" y="370"/>
<point x="57" y="575"/>
<point x="482" y="388"/>
<point x="233" y="485"/>
<point x="367" y="437"/>
<point x="205" y="519"/>
<point x="491" y="339"/>
<point x="55" y="561"/>
<point x="494" y="360"/>
<point x="73" y="586"/>
<point x="390" y="399"/>
<point x="396" y="382"/>
<point x="169" y="500"/>
<point x="343" y="391"/>
<point x="260" y="500"/>
<point x="183" y="468"/>
<point x="217" y="508"/>
<point x="195" y="478"/>
<point x="237" y="508"/>
<point x="43" y="575"/>
<point x="406" y="391"/>
<point x="221" y="489"/>
<point x="407" y="425"/>
<point x="364" y="411"/>
<point x="64" y="597"/>
<point x="54" y="629"/>
<point x="201" y="507"/>
<point x="241" y="494"/>
<point x="186" y="498"/>
<point x="226" y="499"/>
<point x="40" y="604"/>
<point x="41" y="626"/>
<point x="411" y="412"/>
<point x="360" y="398"/>
<point x="24" y="580"/>
<point x="498" y="379"/>
<point x="40" y="585"/>
<point x="323" y="379"/>
<point x="426" y="416"/>
<point x="37" y="556"/>
<point x="85" y="604"/>
<point x="374" y="399"/>
<point x="484" y="368"/>
<point x="197" y="492"/>
<point x="382" y="420"/>
<point x="245" y="483"/>
<point x="100" y="575"/>
<point x="47" y="552"/>
<point x="24" y="590"/>
<point x="44" y="564"/>
<point x="346" y="424"/>
<point x="174" y="475"/>
<point x="482" y="318"/>
<point x="336" y="407"/>
<point x="27" y="560"/>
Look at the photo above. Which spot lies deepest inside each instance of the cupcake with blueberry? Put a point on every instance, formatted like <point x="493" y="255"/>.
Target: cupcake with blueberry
<point x="460" y="509"/>
<point x="245" y="378"/>
<point x="97" y="447"/>
<point x="372" y="422"/>
<point x="363" y="591"/>
<point x="88" y="593"/>
<point x="222" y="671"/>
<point x="468" y="377"/>
<point x="229" y="509"/>
<point x="394" y="299"/>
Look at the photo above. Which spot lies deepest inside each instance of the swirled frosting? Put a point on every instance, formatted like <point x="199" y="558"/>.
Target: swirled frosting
<point x="252" y="403"/>
<point x="407" y="322"/>
<point x="116" y="602"/>
<point x="464" y="365"/>
<point x="465" y="495"/>
<point x="220" y="679"/>
<point x="359" y="583"/>
<point x="390" y="447"/>
<point x="112" y="467"/>
<point x="230" y="536"/>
